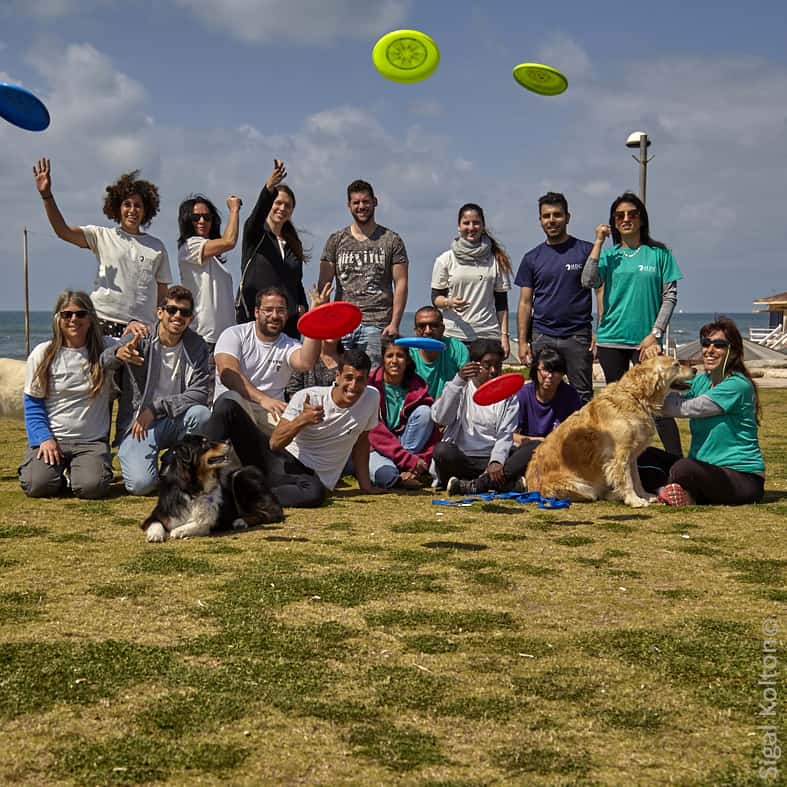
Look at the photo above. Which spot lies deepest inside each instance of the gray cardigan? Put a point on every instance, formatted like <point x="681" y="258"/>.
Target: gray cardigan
<point x="139" y="382"/>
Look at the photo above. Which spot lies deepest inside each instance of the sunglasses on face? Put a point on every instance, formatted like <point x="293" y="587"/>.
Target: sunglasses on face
<point x="719" y="344"/>
<point x="623" y="214"/>
<point x="80" y="314"/>
<point x="422" y="326"/>
<point x="185" y="311"/>
<point x="195" y="217"/>
<point x="271" y="310"/>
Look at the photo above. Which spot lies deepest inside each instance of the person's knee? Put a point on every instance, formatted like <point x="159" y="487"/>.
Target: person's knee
<point x="91" y="489"/>
<point x="143" y="484"/>
<point x="444" y="452"/>
<point x="38" y="486"/>
<point x="195" y="419"/>
<point x="683" y="472"/>
<point x="385" y="476"/>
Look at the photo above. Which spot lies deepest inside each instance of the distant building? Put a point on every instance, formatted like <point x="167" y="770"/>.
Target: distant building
<point x="776" y="306"/>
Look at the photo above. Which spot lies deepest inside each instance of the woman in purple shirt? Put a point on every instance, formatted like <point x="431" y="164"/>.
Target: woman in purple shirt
<point x="544" y="402"/>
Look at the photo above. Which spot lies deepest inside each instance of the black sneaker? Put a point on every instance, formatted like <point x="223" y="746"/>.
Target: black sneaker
<point x="453" y="486"/>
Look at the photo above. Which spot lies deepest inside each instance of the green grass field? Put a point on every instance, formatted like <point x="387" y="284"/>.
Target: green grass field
<point x="384" y="640"/>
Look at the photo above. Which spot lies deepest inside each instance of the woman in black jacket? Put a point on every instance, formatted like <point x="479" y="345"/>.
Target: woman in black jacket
<point x="272" y="253"/>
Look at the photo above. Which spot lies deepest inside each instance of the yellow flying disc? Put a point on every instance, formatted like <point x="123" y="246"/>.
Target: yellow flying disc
<point x="406" y="56"/>
<point x="541" y="79"/>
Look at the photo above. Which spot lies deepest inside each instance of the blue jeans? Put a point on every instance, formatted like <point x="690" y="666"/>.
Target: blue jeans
<point x="139" y="458"/>
<point x="366" y="338"/>
<point x="417" y="432"/>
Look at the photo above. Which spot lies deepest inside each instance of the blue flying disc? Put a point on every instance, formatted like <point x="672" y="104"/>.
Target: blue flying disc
<point x="22" y="108"/>
<point x="421" y="343"/>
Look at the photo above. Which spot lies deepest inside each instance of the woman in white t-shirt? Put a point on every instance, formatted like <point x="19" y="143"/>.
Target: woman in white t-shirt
<point x="203" y="270"/>
<point x="133" y="267"/>
<point x="66" y="402"/>
<point x="470" y="282"/>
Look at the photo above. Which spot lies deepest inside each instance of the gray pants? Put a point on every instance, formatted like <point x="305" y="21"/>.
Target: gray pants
<point x="579" y="360"/>
<point x="89" y="466"/>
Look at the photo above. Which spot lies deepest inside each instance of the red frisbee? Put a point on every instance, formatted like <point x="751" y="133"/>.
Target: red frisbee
<point x="498" y="388"/>
<point x="330" y="321"/>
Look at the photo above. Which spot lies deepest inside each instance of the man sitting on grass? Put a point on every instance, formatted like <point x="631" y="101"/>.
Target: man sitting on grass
<point x="475" y="453"/>
<point x="321" y="428"/>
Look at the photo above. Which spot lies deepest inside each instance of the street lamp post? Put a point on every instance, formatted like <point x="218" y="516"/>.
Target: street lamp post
<point x="639" y="139"/>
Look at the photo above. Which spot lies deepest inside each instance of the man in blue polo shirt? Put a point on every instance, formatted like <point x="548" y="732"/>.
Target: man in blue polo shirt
<point x="552" y="295"/>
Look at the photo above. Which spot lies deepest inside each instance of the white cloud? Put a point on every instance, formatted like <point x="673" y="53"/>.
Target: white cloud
<point x="565" y="54"/>
<point x="302" y="21"/>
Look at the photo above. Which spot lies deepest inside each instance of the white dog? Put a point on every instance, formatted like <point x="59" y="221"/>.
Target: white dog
<point x="12" y="386"/>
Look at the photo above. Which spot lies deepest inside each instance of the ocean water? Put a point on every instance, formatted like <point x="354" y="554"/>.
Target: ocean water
<point x="684" y="328"/>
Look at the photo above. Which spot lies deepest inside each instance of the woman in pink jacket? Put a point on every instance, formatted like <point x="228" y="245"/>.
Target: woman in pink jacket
<point x="402" y="442"/>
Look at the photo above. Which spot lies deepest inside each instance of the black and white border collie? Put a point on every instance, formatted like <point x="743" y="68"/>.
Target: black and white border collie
<point x="199" y="494"/>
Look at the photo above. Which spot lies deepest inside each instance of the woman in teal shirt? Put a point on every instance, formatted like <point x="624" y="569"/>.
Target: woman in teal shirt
<point x="725" y="464"/>
<point x="640" y="280"/>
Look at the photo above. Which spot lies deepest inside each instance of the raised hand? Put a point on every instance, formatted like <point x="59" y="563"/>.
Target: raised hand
<point x="318" y="297"/>
<point x="277" y="176"/>
<point x="603" y="231"/>
<point x="234" y="203"/>
<point x="42" y="173"/>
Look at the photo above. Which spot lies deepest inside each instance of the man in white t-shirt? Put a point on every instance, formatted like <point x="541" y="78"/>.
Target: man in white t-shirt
<point x="164" y="390"/>
<point x="254" y="360"/>
<point x="320" y="430"/>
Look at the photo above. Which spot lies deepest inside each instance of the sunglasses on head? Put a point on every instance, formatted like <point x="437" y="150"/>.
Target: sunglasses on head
<point x="195" y="217"/>
<point x="719" y="344"/>
<point x="173" y="310"/>
<point x="622" y="214"/>
<point x="80" y="314"/>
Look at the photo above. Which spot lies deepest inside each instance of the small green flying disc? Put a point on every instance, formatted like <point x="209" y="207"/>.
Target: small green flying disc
<point x="541" y="79"/>
<point x="406" y="56"/>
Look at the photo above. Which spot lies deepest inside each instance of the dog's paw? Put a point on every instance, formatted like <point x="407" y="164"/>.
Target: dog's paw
<point x="179" y="532"/>
<point x="637" y="502"/>
<point x="240" y="524"/>
<point x="156" y="533"/>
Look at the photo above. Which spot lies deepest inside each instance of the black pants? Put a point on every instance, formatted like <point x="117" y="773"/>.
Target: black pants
<point x="615" y="362"/>
<point x="575" y="350"/>
<point x="293" y="484"/>
<point x="450" y="461"/>
<point x="707" y="484"/>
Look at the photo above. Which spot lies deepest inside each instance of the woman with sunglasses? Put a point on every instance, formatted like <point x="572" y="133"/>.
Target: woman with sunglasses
<point x="272" y="254"/>
<point x="133" y="267"/>
<point x="404" y="438"/>
<point x="470" y="282"/>
<point x="201" y="250"/>
<point x="725" y="464"/>
<point x="66" y="401"/>
<point x="640" y="280"/>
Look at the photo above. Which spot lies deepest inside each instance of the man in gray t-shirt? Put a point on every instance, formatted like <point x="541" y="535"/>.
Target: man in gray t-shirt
<point x="369" y="263"/>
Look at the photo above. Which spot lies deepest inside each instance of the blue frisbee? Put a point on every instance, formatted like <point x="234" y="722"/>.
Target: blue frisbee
<point x="22" y="108"/>
<point x="421" y="343"/>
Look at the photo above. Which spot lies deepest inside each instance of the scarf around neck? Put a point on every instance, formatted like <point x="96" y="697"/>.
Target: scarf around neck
<point x="471" y="252"/>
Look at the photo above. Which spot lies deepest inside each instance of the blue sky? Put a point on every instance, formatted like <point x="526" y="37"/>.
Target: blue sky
<point x="202" y="95"/>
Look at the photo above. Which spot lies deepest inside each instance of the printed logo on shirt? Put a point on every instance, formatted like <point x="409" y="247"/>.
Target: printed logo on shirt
<point x="647" y="268"/>
<point x="573" y="266"/>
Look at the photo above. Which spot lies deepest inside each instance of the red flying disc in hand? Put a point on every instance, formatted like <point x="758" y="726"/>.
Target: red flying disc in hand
<point x="330" y="321"/>
<point x="498" y="388"/>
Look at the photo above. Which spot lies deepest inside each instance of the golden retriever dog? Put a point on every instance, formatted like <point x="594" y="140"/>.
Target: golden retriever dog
<point x="593" y="454"/>
<point x="12" y="388"/>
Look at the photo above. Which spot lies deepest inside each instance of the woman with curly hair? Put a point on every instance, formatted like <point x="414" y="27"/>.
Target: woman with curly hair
<point x="272" y="252"/>
<point x="66" y="402"/>
<point x="725" y="464"/>
<point x="133" y="267"/>
<point x="470" y="282"/>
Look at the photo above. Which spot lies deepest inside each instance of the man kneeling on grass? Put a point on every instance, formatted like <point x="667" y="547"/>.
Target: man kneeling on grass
<point x="319" y="431"/>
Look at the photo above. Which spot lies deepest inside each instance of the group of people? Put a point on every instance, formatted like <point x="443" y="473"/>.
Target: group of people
<point x="196" y="358"/>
